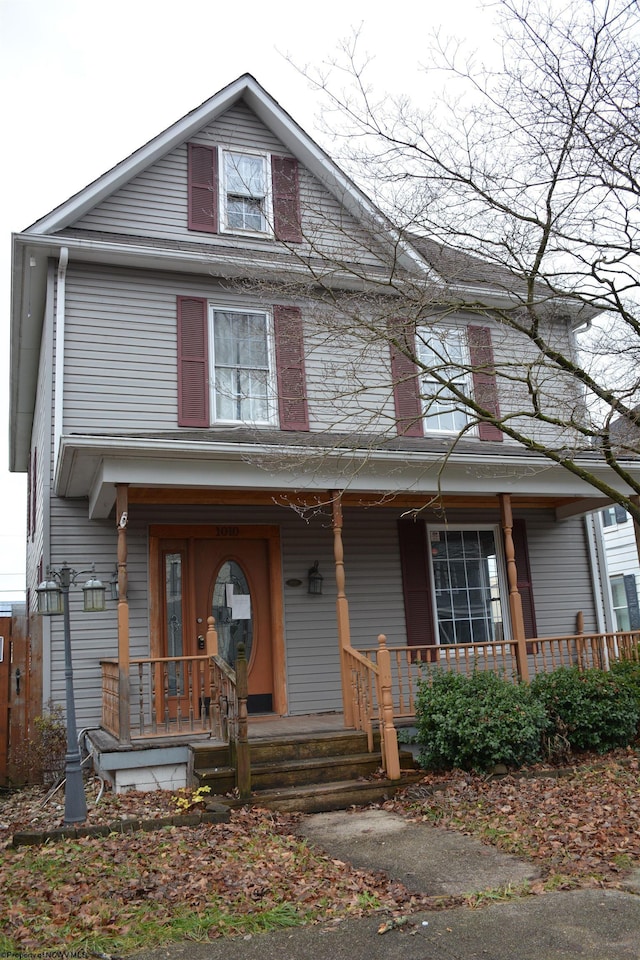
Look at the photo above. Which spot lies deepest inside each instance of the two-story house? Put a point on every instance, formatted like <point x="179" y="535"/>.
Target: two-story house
<point x="198" y="421"/>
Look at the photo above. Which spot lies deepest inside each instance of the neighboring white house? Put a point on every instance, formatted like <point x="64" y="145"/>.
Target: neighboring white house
<point x="623" y="568"/>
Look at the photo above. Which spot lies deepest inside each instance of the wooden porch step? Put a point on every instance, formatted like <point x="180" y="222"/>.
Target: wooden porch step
<point x="320" y="798"/>
<point x="275" y="774"/>
<point x="281" y="749"/>
<point x="289" y="771"/>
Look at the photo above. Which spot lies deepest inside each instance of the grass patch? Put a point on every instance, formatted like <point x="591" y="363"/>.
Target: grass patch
<point x="121" y="893"/>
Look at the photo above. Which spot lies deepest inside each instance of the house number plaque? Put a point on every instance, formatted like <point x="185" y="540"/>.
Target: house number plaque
<point x="227" y="531"/>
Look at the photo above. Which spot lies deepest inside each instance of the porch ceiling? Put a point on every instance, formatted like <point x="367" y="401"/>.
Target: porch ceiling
<point x="169" y="470"/>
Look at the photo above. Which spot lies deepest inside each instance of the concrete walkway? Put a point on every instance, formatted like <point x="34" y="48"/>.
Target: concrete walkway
<point x="572" y="925"/>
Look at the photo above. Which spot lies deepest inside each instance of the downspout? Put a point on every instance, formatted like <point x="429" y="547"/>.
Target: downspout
<point x="599" y="574"/>
<point x="58" y="407"/>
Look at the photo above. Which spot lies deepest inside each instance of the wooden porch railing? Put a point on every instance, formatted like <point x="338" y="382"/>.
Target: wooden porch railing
<point x="370" y="685"/>
<point x="168" y="695"/>
<point x="544" y="654"/>
<point x="183" y="695"/>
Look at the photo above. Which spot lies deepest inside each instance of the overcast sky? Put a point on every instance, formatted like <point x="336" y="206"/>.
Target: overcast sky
<point x="86" y="82"/>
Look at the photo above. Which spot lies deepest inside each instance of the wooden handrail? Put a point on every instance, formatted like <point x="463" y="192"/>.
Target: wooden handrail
<point x="370" y="687"/>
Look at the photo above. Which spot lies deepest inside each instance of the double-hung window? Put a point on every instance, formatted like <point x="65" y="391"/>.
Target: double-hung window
<point x="443" y="356"/>
<point x="246" y="202"/>
<point x="242" y="388"/>
<point x="468" y="584"/>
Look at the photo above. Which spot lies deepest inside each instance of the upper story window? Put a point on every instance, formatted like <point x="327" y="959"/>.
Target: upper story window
<point x="240" y="365"/>
<point x="242" y="388"/>
<point x="246" y="201"/>
<point x="445" y="354"/>
<point x="244" y="192"/>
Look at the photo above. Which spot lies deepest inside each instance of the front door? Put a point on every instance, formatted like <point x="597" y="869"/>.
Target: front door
<point x="230" y="572"/>
<point x="232" y="585"/>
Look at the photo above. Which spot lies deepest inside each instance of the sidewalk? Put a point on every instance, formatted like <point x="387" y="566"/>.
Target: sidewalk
<point x="571" y="925"/>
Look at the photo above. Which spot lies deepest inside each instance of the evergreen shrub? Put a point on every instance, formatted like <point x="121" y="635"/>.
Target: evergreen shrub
<point x="593" y="709"/>
<point x="477" y="721"/>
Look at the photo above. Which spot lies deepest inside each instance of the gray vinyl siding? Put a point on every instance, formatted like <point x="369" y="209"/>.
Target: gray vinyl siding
<point x="121" y="357"/>
<point x="561" y="574"/>
<point x="154" y="204"/>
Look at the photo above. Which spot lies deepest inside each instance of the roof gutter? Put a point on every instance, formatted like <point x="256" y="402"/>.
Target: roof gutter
<point x="58" y="409"/>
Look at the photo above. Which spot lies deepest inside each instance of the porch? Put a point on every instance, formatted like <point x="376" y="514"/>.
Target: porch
<point x="221" y="746"/>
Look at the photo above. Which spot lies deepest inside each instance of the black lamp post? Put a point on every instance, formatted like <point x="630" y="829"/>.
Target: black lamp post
<point x="53" y="599"/>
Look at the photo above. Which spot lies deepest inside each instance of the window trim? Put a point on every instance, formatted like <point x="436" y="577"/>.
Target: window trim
<point x="267" y="213"/>
<point x="501" y="565"/>
<point x="272" y="393"/>
<point x="422" y="341"/>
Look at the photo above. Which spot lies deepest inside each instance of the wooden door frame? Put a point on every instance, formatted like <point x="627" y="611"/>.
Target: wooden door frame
<point x="226" y="532"/>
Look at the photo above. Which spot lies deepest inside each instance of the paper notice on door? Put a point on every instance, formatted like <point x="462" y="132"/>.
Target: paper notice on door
<point x="241" y="607"/>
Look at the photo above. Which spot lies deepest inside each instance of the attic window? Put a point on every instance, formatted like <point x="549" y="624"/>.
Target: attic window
<point x="245" y="193"/>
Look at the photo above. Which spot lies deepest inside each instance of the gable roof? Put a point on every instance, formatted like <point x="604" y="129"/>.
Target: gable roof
<point x="290" y="133"/>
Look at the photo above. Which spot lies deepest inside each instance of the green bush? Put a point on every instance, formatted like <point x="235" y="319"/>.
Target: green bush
<point x="592" y="709"/>
<point x="477" y="722"/>
<point x="628" y="673"/>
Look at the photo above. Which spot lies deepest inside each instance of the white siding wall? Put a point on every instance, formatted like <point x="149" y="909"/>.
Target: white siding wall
<point x="621" y="549"/>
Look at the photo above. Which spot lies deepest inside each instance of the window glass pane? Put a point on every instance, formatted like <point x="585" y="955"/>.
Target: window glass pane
<point x="244" y="175"/>
<point x="173" y="613"/>
<point x="232" y="609"/>
<point x="224" y="338"/>
<point x="244" y="214"/>
<point x="467" y="587"/>
<point x="445" y="354"/>
<point x="241" y="366"/>
<point x="620" y="604"/>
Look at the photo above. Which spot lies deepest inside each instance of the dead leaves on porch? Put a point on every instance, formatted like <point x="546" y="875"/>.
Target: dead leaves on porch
<point x="142" y="888"/>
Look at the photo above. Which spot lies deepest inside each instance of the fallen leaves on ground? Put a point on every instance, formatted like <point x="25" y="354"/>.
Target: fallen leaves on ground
<point x="581" y="827"/>
<point x="202" y="882"/>
<point x="126" y="891"/>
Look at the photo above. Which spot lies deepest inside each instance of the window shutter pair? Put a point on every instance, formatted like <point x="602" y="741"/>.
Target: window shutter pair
<point x="193" y="365"/>
<point x="203" y="188"/>
<point x="416" y="581"/>
<point x="406" y="382"/>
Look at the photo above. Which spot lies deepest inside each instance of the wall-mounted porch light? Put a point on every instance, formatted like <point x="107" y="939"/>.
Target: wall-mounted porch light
<point x="113" y="584"/>
<point x="314" y="580"/>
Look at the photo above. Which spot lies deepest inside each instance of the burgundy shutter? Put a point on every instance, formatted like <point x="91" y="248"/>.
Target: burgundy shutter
<point x="193" y="363"/>
<point x="416" y="583"/>
<point x="525" y="586"/>
<point x="406" y="383"/>
<point x="286" y="199"/>
<point x="485" y="388"/>
<point x="292" y="390"/>
<point x="202" y="188"/>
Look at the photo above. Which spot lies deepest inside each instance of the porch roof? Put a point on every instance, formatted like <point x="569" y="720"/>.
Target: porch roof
<point x="90" y="466"/>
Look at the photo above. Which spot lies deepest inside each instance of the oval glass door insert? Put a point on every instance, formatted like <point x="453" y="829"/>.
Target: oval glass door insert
<point x="231" y="607"/>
